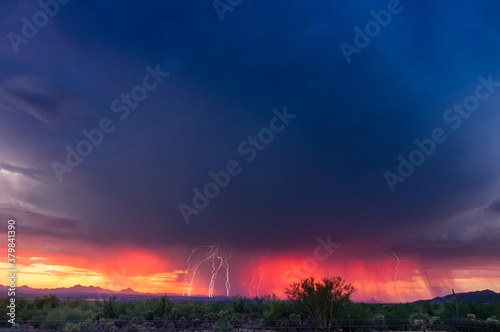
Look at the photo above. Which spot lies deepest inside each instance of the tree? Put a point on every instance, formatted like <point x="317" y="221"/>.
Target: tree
<point x="50" y="301"/>
<point x="276" y="310"/>
<point x="322" y="300"/>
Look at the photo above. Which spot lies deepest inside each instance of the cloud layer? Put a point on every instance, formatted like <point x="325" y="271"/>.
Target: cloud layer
<point x="323" y="174"/>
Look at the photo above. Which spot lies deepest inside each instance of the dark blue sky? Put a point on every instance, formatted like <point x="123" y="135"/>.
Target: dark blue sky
<point x="324" y="173"/>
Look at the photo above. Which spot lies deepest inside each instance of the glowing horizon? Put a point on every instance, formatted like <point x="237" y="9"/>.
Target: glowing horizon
<point x="371" y="284"/>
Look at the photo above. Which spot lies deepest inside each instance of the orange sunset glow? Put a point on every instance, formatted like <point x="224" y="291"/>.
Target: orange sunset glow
<point x="380" y="279"/>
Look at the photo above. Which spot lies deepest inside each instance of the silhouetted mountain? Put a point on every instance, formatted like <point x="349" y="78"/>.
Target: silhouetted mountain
<point x="129" y="291"/>
<point x="373" y="301"/>
<point x="485" y="296"/>
<point x="77" y="291"/>
<point x="98" y="293"/>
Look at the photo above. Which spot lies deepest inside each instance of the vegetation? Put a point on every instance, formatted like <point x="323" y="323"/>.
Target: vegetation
<point x="316" y="305"/>
<point x="321" y="301"/>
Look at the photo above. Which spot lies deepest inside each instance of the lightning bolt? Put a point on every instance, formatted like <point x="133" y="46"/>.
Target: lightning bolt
<point x="253" y="278"/>
<point x="395" y="258"/>
<point x="425" y="278"/>
<point x="260" y="281"/>
<point x="192" y="270"/>
<point x="222" y="263"/>
<point x="228" y="285"/>
<point x="201" y="255"/>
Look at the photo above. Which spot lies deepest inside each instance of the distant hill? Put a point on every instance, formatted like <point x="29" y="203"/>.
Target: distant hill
<point x="79" y="292"/>
<point x="374" y="301"/>
<point x="485" y="296"/>
<point x="97" y="293"/>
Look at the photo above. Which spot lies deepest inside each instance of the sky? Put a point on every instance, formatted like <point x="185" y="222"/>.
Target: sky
<point x="281" y="139"/>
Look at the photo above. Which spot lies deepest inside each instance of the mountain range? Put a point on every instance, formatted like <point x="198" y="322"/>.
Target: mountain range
<point x="485" y="296"/>
<point x="98" y="293"/>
